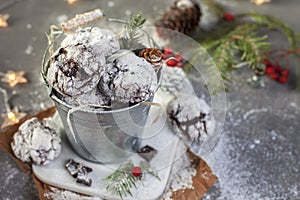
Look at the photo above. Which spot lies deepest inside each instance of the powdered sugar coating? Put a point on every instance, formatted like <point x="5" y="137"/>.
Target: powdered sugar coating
<point x="77" y="71"/>
<point x="36" y="142"/>
<point x="102" y="39"/>
<point x="190" y="117"/>
<point x="76" y="66"/>
<point x="93" y="98"/>
<point x="128" y="78"/>
<point x="57" y="194"/>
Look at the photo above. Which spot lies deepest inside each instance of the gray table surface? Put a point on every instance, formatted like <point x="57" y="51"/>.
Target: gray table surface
<point x="258" y="156"/>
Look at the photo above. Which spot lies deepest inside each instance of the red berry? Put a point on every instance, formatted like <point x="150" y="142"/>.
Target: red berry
<point x="285" y="72"/>
<point x="269" y="69"/>
<point x="180" y="64"/>
<point x="283" y="79"/>
<point x="266" y="61"/>
<point x="165" y="57"/>
<point x="228" y="17"/>
<point x="136" y="171"/>
<point x="179" y="58"/>
<point x="277" y="68"/>
<point x="274" y="76"/>
<point x="172" y="62"/>
<point x="168" y="50"/>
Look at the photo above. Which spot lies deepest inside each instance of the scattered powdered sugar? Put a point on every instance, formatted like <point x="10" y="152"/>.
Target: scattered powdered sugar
<point x="253" y="111"/>
<point x="62" y="18"/>
<point x="110" y="4"/>
<point x="128" y="12"/>
<point x="258" y="156"/>
<point x="181" y="175"/>
<point x="10" y="174"/>
<point x="231" y="175"/>
<point x="184" y="179"/>
<point x="28" y="26"/>
<point x="15" y="185"/>
<point x="29" y="50"/>
<point x="56" y="194"/>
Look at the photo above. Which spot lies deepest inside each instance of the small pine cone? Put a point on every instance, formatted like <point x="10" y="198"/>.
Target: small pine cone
<point x="183" y="16"/>
<point x="153" y="56"/>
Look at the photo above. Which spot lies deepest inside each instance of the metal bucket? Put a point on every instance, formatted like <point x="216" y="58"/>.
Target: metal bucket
<point x="103" y="136"/>
<point x="97" y="135"/>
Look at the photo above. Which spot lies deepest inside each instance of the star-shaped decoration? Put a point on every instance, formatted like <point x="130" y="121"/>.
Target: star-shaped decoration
<point x="260" y="2"/>
<point x="71" y="1"/>
<point x="12" y="117"/>
<point x="14" y="78"/>
<point x="3" y="20"/>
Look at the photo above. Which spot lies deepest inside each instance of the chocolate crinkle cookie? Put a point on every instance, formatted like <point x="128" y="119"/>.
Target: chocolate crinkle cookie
<point x="93" y="98"/>
<point x="190" y="118"/>
<point x="35" y="142"/>
<point x="76" y="66"/>
<point x="128" y="78"/>
<point x="103" y="39"/>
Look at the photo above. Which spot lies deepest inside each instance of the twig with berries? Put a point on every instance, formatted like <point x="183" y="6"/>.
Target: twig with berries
<point x="273" y="69"/>
<point x="172" y="59"/>
<point x="237" y="41"/>
<point x="276" y="72"/>
<point x="126" y="176"/>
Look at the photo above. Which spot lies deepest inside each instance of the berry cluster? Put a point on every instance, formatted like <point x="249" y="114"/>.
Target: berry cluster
<point x="171" y="59"/>
<point x="276" y="72"/>
<point x="228" y="17"/>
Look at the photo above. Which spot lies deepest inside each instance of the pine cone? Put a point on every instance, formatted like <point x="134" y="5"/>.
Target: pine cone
<point x="153" y="56"/>
<point x="183" y="16"/>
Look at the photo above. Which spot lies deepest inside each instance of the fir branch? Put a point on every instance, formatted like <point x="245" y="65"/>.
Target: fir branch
<point x="230" y="40"/>
<point x="251" y="49"/>
<point x="121" y="181"/>
<point x="136" y="22"/>
<point x="147" y="169"/>
<point x="271" y="22"/>
<point x="132" y="35"/>
<point x="240" y="41"/>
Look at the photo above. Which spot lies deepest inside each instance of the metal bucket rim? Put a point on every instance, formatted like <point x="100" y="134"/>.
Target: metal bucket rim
<point x="93" y="110"/>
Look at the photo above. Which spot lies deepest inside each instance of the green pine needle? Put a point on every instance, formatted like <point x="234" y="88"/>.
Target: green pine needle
<point x="121" y="181"/>
<point x="271" y="22"/>
<point x="239" y="45"/>
<point x="147" y="169"/>
<point x="232" y="43"/>
<point x="132" y="37"/>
